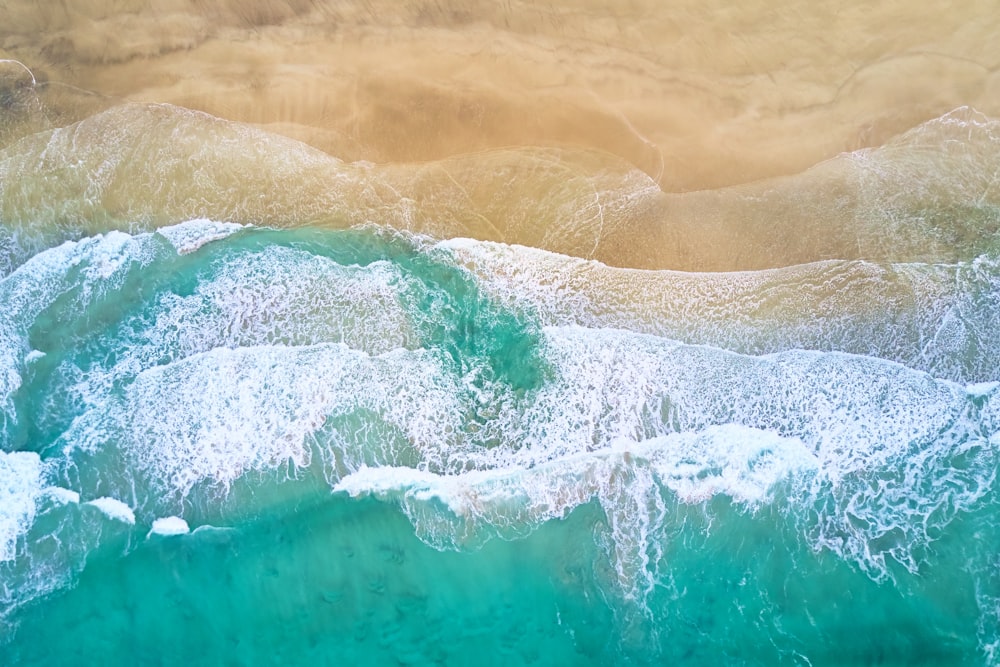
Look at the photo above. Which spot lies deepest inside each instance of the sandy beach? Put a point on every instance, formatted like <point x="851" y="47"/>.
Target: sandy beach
<point x="696" y="94"/>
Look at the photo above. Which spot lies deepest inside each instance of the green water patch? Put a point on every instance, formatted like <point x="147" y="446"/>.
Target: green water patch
<point x="740" y="587"/>
<point x="345" y="582"/>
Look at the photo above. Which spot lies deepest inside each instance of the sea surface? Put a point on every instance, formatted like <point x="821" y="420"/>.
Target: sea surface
<point x="468" y="333"/>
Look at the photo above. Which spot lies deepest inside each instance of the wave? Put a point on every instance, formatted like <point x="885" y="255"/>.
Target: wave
<point x="927" y="196"/>
<point x="937" y="318"/>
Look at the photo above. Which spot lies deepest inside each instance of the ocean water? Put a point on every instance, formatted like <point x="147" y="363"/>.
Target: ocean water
<point x="292" y="389"/>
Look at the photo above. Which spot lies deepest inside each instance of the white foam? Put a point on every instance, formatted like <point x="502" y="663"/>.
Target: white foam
<point x="217" y="415"/>
<point x="849" y="418"/>
<point x="25" y="293"/>
<point x="114" y="509"/>
<point x="851" y="411"/>
<point x="191" y="235"/>
<point x="62" y="496"/>
<point x="275" y="296"/>
<point x="20" y="484"/>
<point x="981" y="389"/>
<point x="36" y="284"/>
<point x="733" y="460"/>
<point x="925" y="316"/>
<point x="33" y="356"/>
<point x="171" y="525"/>
<point x="209" y="529"/>
<point x="108" y="257"/>
<point x="384" y="481"/>
<point x="463" y="511"/>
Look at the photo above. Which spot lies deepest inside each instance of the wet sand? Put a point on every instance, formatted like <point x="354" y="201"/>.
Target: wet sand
<point x="928" y="195"/>
<point x="696" y="94"/>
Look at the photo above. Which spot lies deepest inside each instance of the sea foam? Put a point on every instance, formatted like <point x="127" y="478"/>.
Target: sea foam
<point x="189" y="236"/>
<point x="20" y="484"/>
<point x="114" y="509"/>
<point x="167" y="526"/>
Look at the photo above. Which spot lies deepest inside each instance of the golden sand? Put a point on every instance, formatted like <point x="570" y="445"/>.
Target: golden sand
<point x="697" y="94"/>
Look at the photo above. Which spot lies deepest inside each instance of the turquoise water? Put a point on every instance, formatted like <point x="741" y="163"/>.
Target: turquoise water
<point x="230" y="443"/>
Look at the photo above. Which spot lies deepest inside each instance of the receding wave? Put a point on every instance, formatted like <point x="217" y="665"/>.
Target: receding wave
<point x="927" y="196"/>
<point x="938" y="318"/>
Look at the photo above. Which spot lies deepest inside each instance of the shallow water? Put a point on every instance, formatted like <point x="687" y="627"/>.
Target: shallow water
<point x="455" y="333"/>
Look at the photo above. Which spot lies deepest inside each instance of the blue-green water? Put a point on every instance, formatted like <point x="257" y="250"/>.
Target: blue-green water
<point x="258" y="444"/>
